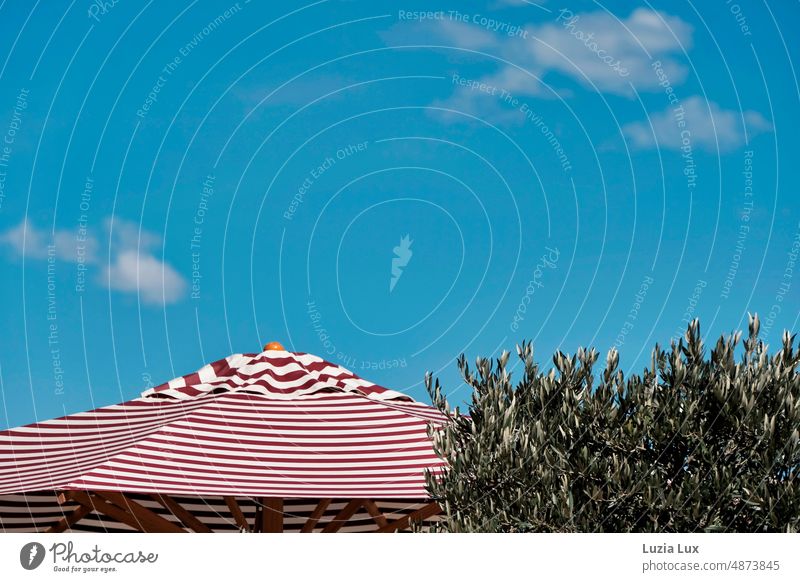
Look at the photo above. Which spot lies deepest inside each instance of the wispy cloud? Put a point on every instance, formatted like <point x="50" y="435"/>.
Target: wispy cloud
<point x="614" y="54"/>
<point x="709" y="127"/>
<point x="131" y="266"/>
<point x="295" y="94"/>
<point x="36" y="243"/>
<point x="596" y="49"/>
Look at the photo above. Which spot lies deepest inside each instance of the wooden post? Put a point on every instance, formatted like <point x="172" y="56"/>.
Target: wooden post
<point x="318" y="512"/>
<point x="258" y="518"/>
<point x="272" y="515"/>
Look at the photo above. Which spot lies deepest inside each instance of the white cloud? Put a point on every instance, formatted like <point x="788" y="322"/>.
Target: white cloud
<point x="132" y="266"/>
<point x="710" y="127"/>
<point x="155" y="281"/>
<point x="596" y="49"/>
<point x="29" y="241"/>
<point x="613" y="54"/>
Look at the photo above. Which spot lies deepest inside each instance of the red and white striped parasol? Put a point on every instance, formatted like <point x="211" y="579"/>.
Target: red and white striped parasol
<point x="290" y="437"/>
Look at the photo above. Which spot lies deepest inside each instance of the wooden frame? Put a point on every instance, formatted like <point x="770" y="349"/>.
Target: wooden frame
<point x="269" y="514"/>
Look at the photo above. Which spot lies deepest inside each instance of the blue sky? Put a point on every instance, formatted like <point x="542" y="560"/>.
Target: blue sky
<point x="384" y="187"/>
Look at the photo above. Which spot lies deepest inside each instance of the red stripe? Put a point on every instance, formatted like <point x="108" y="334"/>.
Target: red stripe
<point x="220" y="442"/>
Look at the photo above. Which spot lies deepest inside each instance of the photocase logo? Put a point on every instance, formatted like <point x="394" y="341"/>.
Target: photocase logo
<point x="402" y="256"/>
<point x="31" y="555"/>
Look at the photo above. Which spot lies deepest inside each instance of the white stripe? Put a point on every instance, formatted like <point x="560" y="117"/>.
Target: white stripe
<point x="117" y="467"/>
<point x="180" y="443"/>
<point x="212" y="488"/>
<point x="224" y="463"/>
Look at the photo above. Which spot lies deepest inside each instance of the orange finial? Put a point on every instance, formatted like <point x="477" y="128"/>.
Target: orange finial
<point x="274" y="346"/>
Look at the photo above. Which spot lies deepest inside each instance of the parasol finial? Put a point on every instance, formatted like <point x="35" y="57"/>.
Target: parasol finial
<point x="274" y="346"/>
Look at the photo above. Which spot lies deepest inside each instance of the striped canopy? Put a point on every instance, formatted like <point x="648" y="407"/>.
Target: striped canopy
<point x="248" y="430"/>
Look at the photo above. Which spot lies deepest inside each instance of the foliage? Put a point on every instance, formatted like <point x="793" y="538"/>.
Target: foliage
<point x="691" y="444"/>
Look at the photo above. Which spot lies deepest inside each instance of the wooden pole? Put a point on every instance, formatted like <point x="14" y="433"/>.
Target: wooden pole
<point x="345" y="514"/>
<point x="318" y="512"/>
<point x="376" y="513"/>
<point x="236" y="511"/>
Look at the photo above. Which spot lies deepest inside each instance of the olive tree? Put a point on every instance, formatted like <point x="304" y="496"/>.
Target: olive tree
<point x="693" y="443"/>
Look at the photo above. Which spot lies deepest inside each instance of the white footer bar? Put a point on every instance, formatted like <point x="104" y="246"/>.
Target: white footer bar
<point x="406" y="557"/>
